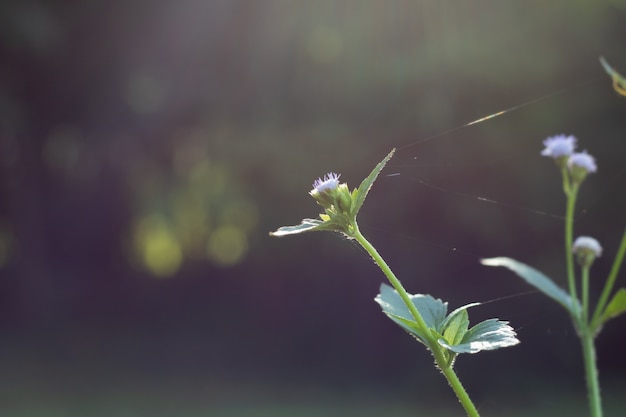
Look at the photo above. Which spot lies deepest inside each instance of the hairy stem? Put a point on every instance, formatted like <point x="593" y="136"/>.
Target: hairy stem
<point x="591" y="373"/>
<point x="436" y="349"/>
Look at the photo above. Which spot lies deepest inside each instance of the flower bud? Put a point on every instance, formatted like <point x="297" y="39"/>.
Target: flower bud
<point x="580" y="164"/>
<point x="343" y="199"/>
<point x="586" y="249"/>
<point x="324" y="189"/>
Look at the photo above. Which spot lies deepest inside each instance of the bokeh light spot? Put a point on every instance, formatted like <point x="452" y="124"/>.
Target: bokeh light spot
<point x="192" y="219"/>
<point x="227" y="245"/>
<point x="160" y="250"/>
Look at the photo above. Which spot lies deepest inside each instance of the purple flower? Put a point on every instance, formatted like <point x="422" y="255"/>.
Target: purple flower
<point x="559" y="146"/>
<point x="328" y="183"/>
<point x="582" y="161"/>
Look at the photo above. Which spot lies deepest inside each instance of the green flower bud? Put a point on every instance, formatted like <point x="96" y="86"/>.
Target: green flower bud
<point x="343" y="199"/>
<point x="586" y="249"/>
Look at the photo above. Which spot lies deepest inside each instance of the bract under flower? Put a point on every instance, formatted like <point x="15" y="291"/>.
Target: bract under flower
<point x="559" y="146"/>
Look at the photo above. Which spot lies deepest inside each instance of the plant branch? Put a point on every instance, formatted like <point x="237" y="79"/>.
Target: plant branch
<point x="435" y="348"/>
<point x="610" y="282"/>
<point x="591" y="373"/>
<point x="569" y="238"/>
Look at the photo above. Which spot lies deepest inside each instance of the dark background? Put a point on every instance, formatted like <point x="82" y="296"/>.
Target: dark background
<point x="148" y="147"/>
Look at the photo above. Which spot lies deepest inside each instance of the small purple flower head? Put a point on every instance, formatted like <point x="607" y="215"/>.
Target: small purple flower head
<point x="580" y="164"/>
<point x="559" y="146"/>
<point x="582" y="160"/>
<point x="586" y="249"/>
<point x="328" y="183"/>
<point x="325" y="190"/>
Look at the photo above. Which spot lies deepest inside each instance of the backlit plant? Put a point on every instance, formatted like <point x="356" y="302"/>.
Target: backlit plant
<point x="445" y="335"/>
<point x="448" y="334"/>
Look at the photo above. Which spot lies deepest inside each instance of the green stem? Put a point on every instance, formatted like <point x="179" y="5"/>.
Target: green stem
<point x="583" y="325"/>
<point x="392" y="279"/>
<point x="459" y="390"/>
<point x="585" y="295"/>
<point x="610" y="282"/>
<point x="591" y="373"/>
<point x="435" y="348"/>
<point x="569" y="238"/>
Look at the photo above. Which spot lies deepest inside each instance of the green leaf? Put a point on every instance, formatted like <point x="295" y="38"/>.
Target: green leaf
<point x="456" y="327"/>
<point x="307" y="225"/>
<point x="537" y="280"/>
<point x="432" y="310"/>
<point x="360" y="193"/>
<point x="452" y="331"/>
<point x="452" y="316"/>
<point x="488" y="335"/>
<point x="411" y="327"/>
<point x="619" y="82"/>
<point x="616" y="306"/>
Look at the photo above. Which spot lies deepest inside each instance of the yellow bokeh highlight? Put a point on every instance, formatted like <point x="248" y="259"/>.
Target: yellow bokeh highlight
<point x="192" y="222"/>
<point x="195" y="210"/>
<point x="158" y="247"/>
<point x="227" y="245"/>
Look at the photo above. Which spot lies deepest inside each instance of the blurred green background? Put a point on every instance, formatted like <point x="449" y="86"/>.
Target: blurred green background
<point x="148" y="147"/>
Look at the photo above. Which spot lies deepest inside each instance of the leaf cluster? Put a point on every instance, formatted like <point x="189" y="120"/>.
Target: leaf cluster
<point x="450" y="331"/>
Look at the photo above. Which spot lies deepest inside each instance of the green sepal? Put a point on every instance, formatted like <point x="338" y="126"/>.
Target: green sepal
<point x="616" y="306"/>
<point x="359" y="194"/>
<point x="539" y="281"/>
